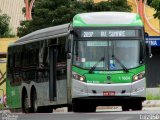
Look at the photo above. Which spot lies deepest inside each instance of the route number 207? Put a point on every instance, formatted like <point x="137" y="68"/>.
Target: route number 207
<point x="87" y="34"/>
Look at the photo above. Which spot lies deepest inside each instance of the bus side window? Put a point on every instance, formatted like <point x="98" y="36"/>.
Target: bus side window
<point x="11" y="67"/>
<point x="142" y="53"/>
<point x="18" y="60"/>
<point x="61" y="60"/>
<point x="26" y="58"/>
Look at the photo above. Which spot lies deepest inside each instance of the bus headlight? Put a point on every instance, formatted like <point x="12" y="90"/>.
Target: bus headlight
<point x="78" y="77"/>
<point x="139" y="76"/>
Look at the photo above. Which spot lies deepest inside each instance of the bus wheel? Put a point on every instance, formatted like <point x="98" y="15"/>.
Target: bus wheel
<point x="77" y="107"/>
<point x="34" y="102"/>
<point x="46" y="109"/>
<point x="25" y="105"/>
<point x="91" y="108"/>
<point x="125" y="107"/>
<point x="137" y="105"/>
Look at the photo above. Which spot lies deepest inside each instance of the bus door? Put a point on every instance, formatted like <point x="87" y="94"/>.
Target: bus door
<point x="58" y="74"/>
<point x="52" y="72"/>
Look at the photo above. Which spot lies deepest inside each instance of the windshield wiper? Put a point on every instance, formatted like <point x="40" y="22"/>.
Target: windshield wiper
<point x="119" y="62"/>
<point x="95" y="65"/>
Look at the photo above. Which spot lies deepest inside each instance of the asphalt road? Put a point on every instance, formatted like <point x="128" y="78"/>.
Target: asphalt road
<point x="147" y="114"/>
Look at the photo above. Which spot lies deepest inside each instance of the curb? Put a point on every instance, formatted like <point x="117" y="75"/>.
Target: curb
<point x="151" y="103"/>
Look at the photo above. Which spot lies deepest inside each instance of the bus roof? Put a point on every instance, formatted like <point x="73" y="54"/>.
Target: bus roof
<point x="45" y="33"/>
<point x="96" y="19"/>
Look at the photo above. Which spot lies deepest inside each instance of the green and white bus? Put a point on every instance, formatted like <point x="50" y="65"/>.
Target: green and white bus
<point x="96" y="60"/>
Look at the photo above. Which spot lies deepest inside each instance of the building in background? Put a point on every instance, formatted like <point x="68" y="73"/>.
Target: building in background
<point x="13" y="8"/>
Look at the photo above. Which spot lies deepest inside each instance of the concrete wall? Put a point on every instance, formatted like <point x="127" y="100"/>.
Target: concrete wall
<point x="4" y="42"/>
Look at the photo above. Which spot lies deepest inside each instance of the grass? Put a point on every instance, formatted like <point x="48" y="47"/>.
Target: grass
<point x="151" y="96"/>
<point x="1" y="106"/>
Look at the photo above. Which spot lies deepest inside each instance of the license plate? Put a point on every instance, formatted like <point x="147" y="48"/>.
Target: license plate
<point x="109" y="93"/>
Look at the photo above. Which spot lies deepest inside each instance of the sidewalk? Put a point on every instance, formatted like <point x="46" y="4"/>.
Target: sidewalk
<point x="146" y="104"/>
<point x="151" y="103"/>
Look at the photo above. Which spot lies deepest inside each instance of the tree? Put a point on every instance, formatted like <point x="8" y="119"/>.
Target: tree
<point x="149" y="2"/>
<point x="48" y="13"/>
<point x="156" y="5"/>
<point x="4" y="25"/>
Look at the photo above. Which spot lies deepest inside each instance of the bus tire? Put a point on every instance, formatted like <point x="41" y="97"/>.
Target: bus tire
<point x="125" y="107"/>
<point x="34" y="104"/>
<point x="137" y="106"/>
<point x="46" y="109"/>
<point x="25" y="105"/>
<point x="91" y="108"/>
<point x="36" y="108"/>
<point x="78" y="107"/>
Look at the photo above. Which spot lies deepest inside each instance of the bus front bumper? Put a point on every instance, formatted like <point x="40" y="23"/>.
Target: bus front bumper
<point x="134" y="89"/>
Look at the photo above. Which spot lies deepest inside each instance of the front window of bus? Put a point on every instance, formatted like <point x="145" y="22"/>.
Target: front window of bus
<point x="107" y="55"/>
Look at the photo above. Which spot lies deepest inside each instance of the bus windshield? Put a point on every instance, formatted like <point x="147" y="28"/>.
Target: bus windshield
<point x="116" y="54"/>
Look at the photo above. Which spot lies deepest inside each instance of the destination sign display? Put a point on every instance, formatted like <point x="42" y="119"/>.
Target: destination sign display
<point x="109" y="33"/>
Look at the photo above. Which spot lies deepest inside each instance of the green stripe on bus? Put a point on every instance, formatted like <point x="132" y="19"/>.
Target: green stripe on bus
<point x="115" y="76"/>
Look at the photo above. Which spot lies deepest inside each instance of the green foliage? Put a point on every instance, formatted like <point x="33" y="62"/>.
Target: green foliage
<point x="48" y="13"/>
<point x="4" y="25"/>
<point x="156" y="5"/>
<point x="120" y="5"/>
<point x="153" y="96"/>
<point x="150" y="96"/>
<point x="1" y="106"/>
<point x="149" y="2"/>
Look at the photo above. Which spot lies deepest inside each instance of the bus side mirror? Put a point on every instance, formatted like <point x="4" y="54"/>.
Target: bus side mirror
<point x="71" y="32"/>
<point x="68" y="55"/>
<point x="148" y="45"/>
